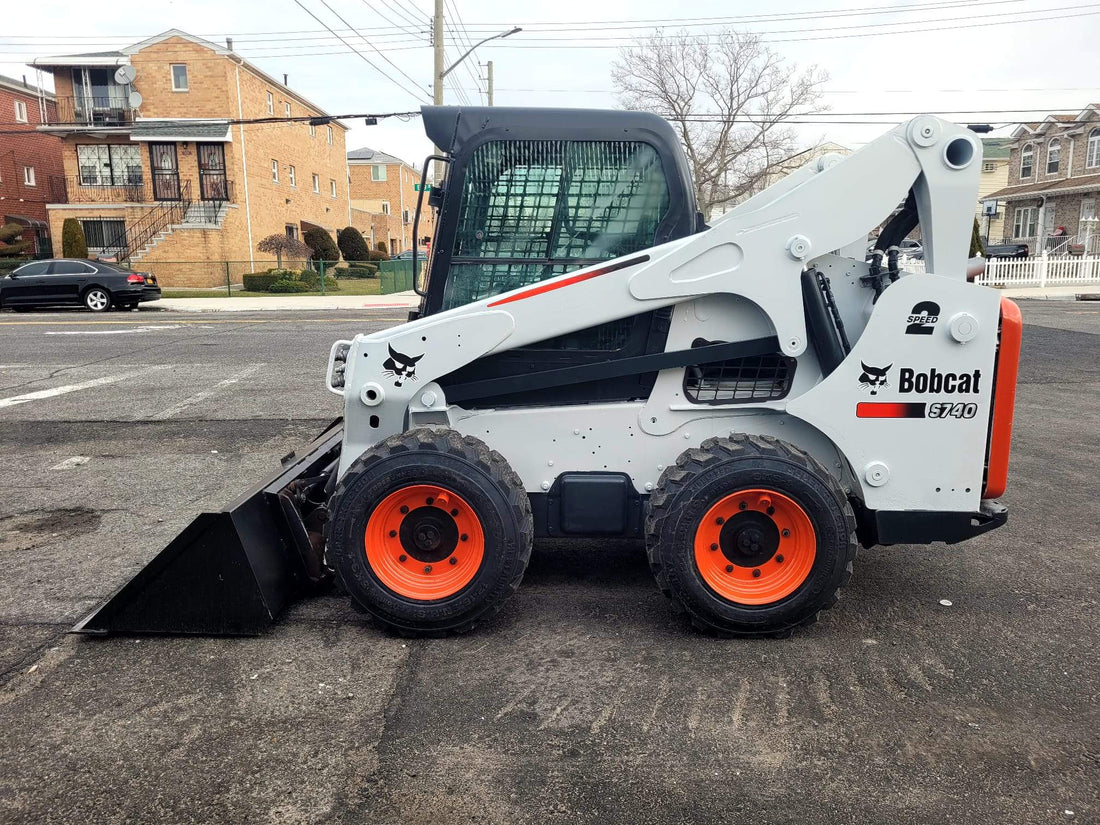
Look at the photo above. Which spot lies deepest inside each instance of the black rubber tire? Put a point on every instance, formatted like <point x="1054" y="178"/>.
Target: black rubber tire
<point x="482" y="477"/>
<point x="720" y="466"/>
<point x="86" y="297"/>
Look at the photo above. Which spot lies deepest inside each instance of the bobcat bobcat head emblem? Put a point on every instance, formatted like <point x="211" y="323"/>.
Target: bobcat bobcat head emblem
<point x="401" y="367"/>
<point x="874" y="377"/>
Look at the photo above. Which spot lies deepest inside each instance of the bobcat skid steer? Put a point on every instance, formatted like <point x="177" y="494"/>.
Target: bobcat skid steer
<point x="752" y="398"/>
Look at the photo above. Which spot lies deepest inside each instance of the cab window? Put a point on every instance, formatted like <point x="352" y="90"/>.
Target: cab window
<point x="531" y="210"/>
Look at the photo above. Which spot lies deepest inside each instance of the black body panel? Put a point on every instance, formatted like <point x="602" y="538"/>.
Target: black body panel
<point x="590" y="505"/>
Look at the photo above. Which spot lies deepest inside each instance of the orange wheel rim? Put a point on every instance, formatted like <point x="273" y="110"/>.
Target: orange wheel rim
<point x="424" y="542"/>
<point x="755" y="547"/>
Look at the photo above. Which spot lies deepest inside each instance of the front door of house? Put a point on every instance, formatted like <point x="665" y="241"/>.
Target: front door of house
<point x="213" y="185"/>
<point x="166" y="171"/>
<point x="1087" y="229"/>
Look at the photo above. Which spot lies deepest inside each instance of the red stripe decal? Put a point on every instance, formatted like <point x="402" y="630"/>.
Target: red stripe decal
<point x="889" y="409"/>
<point x="550" y="286"/>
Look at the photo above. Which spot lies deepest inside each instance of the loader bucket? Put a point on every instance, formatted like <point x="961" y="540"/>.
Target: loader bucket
<point x="231" y="573"/>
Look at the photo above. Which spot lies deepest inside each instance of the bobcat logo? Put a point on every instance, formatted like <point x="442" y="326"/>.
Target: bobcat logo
<point x="400" y="367"/>
<point x="874" y="377"/>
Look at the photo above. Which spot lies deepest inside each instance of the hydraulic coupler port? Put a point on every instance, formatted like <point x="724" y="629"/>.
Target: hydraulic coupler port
<point x="338" y="362"/>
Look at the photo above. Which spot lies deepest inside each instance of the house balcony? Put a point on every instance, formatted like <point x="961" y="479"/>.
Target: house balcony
<point x="108" y="112"/>
<point x="74" y="189"/>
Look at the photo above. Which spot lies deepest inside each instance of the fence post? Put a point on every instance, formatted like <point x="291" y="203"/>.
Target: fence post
<point x="228" y="286"/>
<point x="322" y="277"/>
<point x="1043" y="269"/>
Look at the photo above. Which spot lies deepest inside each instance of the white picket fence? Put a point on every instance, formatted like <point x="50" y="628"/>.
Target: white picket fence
<point x="1041" y="271"/>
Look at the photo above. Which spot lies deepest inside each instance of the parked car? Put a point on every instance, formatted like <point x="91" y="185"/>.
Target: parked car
<point x="421" y="255"/>
<point x="96" y="285"/>
<point x="1007" y="250"/>
<point x="908" y="248"/>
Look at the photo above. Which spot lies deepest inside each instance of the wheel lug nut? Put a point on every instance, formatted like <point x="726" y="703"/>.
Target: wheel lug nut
<point x="454" y="560"/>
<point x="464" y="537"/>
<point x="786" y="534"/>
<point x="454" y="512"/>
<point x="402" y="558"/>
<point x="779" y="559"/>
<point x="742" y="505"/>
<point x="719" y="520"/>
<point x="756" y="574"/>
<point x="771" y="511"/>
<point x="427" y="568"/>
<point x="429" y="500"/>
<point x="393" y="533"/>
<point x="404" y="509"/>
<point x="713" y="547"/>
<point x="729" y="568"/>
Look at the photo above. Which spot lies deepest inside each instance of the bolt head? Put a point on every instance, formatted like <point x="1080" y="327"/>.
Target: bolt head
<point x="404" y="509"/>
<point x="786" y="533"/>
<point x="719" y="520"/>
<point x="779" y="559"/>
<point x="729" y="568"/>
<point x="429" y="500"/>
<point x="756" y="573"/>
<point x="454" y="560"/>
<point x="713" y="547"/>
<point x="454" y="511"/>
<point x="393" y="534"/>
<point x="427" y="568"/>
<point x="770" y="511"/>
<point x="464" y="537"/>
<point x="402" y="558"/>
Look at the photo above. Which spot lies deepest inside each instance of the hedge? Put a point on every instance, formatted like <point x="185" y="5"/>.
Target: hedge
<point x="360" y="271"/>
<point x="313" y="279"/>
<point x="259" y="281"/>
<point x="352" y="244"/>
<point x="324" y="248"/>
<point x="286" y="286"/>
<point x="73" y="244"/>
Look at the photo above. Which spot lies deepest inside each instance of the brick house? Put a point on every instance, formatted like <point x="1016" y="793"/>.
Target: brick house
<point x="158" y="172"/>
<point x="1054" y="183"/>
<point x="383" y="199"/>
<point x="28" y="159"/>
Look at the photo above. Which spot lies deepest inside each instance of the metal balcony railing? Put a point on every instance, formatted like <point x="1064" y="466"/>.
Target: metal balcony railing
<point x="78" y="189"/>
<point x="113" y="110"/>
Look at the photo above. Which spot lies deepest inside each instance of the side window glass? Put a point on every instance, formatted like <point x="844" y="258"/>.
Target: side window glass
<point x="31" y="269"/>
<point x="531" y="210"/>
<point x="68" y="268"/>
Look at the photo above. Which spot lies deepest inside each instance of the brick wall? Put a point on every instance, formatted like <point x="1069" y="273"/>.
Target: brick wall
<point x="31" y="148"/>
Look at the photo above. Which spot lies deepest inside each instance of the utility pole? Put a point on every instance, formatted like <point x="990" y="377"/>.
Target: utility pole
<point x="437" y="43"/>
<point x="489" y="82"/>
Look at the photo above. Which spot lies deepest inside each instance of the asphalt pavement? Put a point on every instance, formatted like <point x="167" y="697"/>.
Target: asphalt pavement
<point x="585" y="700"/>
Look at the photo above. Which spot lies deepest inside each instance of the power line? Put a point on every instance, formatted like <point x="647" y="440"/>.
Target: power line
<point x="400" y="13"/>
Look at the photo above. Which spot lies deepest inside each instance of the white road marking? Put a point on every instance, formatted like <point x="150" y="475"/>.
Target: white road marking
<point x="71" y="463"/>
<point x="202" y="396"/>
<point x="84" y="385"/>
<point x="157" y="328"/>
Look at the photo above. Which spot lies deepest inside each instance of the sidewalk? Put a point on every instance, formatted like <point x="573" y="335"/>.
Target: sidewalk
<point x="1050" y="293"/>
<point x="400" y="300"/>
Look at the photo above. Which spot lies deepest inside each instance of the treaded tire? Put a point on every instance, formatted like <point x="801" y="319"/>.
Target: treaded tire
<point x="480" y="476"/>
<point x="703" y="476"/>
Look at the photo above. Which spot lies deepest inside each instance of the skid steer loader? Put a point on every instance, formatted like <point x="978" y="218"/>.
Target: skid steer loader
<point x="752" y="398"/>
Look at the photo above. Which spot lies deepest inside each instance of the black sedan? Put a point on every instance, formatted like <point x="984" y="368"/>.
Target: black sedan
<point x="96" y="285"/>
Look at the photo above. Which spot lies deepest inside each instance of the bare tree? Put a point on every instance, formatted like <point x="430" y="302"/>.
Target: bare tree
<point x="730" y="98"/>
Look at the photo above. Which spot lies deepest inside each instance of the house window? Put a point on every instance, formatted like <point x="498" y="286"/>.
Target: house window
<point x="329" y="135"/>
<point x="286" y="109"/>
<point x="1092" y="158"/>
<point x="377" y="173"/>
<point x="317" y="184"/>
<point x="989" y="166"/>
<point x="1054" y="151"/>
<point x="270" y="103"/>
<point x="274" y="171"/>
<point x="332" y="187"/>
<point x="292" y="231"/>
<point x="385" y="207"/>
<point x="28" y="176"/>
<point x="112" y="164"/>
<point x="20" y="111"/>
<point x="104" y="235"/>
<point x="312" y="130"/>
<point x="1027" y="161"/>
<point x="179" y="77"/>
<point x="1026" y="224"/>
<point x="293" y="176"/>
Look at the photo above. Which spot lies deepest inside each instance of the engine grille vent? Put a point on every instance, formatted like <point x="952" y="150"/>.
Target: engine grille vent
<point x="739" y="380"/>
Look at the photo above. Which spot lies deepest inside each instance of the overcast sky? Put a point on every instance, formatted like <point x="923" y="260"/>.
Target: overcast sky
<point x="949" y="56"/>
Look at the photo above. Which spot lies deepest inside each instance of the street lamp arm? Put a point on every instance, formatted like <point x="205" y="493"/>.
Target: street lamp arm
<point x="482" y="43"/>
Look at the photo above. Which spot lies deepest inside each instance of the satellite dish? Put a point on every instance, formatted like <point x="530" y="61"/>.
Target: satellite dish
<point x="125" y="75"/>
<point x="135" y="100"/>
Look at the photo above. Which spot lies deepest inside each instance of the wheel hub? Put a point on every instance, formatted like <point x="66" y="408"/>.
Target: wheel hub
<point x="749" y="539"/>
<point x="429" y="534"/>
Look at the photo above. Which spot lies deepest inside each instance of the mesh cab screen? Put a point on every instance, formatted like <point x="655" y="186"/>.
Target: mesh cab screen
<point x="754" y="378"/>
<point x="534" y="209"/>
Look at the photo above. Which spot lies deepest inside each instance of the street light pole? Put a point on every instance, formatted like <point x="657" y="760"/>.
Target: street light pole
<point x="437" y="43"/>
<point x="489" y="82"/>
